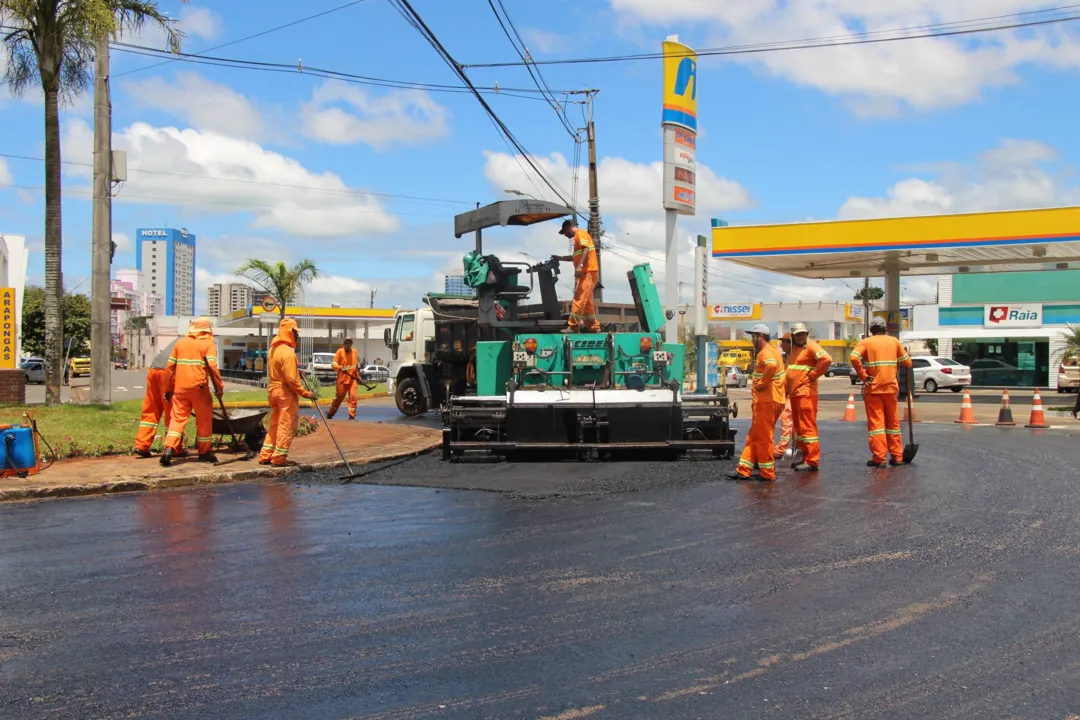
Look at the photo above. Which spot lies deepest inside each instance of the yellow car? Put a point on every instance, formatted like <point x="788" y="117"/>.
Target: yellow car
<point x="80" y="366"/>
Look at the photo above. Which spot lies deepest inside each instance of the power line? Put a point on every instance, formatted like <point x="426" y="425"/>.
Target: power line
<point x="414" y="19"/>
<point x="250" y="37"/>
<point x="345" y="191"/>
<point x="952" y="29"/>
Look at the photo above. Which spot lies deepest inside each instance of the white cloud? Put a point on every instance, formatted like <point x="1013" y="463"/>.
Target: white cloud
<point x="543" y="40"/>
<point x="123" y="242"/>
<point x="626" y="188"/>
<point x="340" y="114"/>
<point x="1017" y="174"/>
<point x="5" y="175"/>
<point x="876" y="79"/>
<point x="200" y="22"/>
<point x="204" y="104"/>
<point x="266" y="184"/>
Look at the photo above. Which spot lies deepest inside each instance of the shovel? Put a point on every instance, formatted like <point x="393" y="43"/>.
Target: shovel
<point x="348" y="467"/>
<point x="912" y="447"/>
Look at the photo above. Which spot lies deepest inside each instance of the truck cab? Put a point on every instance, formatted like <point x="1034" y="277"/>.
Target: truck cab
<point x="411" y="342"/>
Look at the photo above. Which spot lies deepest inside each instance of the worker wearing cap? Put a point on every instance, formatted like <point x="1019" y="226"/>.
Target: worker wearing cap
<point x="283" y="393"/>
<point x="806" y="363"/>
<point x="786" y="424"/>
<point x="155" y="407"/>
<point x="193" y="370"/>
<point x="347" y="366"/>
<point x="586" y="277"/>
<point x="766" y="404"/>
<point x="876" y="360"/>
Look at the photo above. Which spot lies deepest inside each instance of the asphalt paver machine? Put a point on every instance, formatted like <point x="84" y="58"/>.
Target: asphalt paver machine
<point x="541" y="393"/>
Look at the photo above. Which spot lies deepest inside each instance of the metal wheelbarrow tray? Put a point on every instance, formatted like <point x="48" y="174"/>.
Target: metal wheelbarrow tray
<point x="247" y="424"/>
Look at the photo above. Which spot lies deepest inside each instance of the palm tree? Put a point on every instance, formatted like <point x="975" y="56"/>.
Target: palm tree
<point x="283" y="283"/>
<point x="51" y="44"/>
<point x="1072" y="342"/>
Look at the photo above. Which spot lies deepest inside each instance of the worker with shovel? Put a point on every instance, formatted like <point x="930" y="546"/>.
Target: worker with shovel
<point x="876" y="360"/>
<point x="192" y="369"/>
<point x="284" y="394"/>
<point x="155" y="408"/>
<point x="347" y="366"/>
<point x="768" y="395"/>
<point x="806" y="363"/>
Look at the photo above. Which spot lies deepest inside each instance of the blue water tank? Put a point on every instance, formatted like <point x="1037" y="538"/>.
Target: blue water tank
<point x="17" y="449"/>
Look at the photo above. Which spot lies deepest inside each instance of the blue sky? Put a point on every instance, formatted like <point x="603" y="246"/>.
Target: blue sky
<point x="945" y="125"/>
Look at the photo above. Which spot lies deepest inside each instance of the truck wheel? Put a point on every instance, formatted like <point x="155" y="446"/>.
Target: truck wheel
<point x="410" y="401"/>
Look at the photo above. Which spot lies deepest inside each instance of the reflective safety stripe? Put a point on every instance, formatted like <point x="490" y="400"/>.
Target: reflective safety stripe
<point x="821" y="355"/>
<point x="808" y="439"/>
<point x="173" y="433"/>
<point x="894" y="432"/>
<point x="873" y="433"/>
<point x="746" y="463"/>
<point x="767" y="465"/>
<point x="905" y="357"/>
<point x="782" y="373"/>
<point x="880" y="363"/>
<point x="176" y="361"/>
<point x="203" y="439"/>
<point x="770" y="361"/>
<point x="804" y="368"/>
<point x="856" y="355"/>
<point x="148" y="425"/>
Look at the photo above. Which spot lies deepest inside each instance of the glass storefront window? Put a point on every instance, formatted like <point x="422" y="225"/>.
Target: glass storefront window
<point x="1004" y="362"/>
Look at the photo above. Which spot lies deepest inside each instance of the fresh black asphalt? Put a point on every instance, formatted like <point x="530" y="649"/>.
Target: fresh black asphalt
<point x="947" y="589"/>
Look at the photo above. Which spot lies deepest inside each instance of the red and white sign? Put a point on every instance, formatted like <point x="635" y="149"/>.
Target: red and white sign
<point x="1010" y="315"/>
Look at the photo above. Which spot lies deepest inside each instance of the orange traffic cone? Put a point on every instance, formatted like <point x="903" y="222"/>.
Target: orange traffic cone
<point x="1038" y="420"/>
<point x="849" y="412"/>
<point x="1005" y="414"/>
<point x="967" y="416"/>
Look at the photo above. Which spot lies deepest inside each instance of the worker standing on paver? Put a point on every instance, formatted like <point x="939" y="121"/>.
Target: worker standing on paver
<point x="767" y="403"/>
<point x="284" y="394"/>
<point x="807" y="362"/>
<point x="192" y="369"/>
<point x="586" y="277"/>
<point x="155" y="408"/>
<point x="347" y="366"/>
<point x="875" y="360"/>
<point x="786" y="423"/>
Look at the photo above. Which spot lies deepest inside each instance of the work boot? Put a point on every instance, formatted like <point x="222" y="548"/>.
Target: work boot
<point x="894" y="462"/>
<point x="330" y="415"/>
<point x="352" y="418"/>
<point x="287" y="463"/>
<point x="804" y="467"/>
<point x="141" y="453"/>
<point x="734" y="475"/>
<point x="264" y="462"/>
<point x="875" y="464"/>
<point x="207" y="457"/>
<point x="166" y="457"/>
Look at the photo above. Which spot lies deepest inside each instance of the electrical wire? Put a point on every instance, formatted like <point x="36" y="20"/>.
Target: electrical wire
<point x="344" y="191"/>
<point x="937" y="30"/>
<point x="250" y="37"/>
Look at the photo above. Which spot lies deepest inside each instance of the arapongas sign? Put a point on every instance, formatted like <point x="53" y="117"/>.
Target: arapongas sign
<point x="1011" y="315"/>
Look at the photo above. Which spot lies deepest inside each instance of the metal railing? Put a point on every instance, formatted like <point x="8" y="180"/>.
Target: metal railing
<point x="248" y="377"/>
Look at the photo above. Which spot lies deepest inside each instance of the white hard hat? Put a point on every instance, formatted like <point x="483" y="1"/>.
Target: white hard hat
<point x="878" y="321"/>
<point x="797" y="328"/>
<point x="760" y="329"/>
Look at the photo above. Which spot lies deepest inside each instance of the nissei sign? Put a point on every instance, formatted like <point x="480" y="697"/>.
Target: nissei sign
<point x="735" y="311"/>
<point x="1006" y="316"/>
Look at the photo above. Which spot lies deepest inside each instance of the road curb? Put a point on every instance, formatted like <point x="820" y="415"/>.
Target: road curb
<point x="131" y="484"/>
<point x="259" y="404"/>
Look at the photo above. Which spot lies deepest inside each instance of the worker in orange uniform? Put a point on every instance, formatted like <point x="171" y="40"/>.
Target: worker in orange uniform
<point x="806" y="363"/>
<point x="766" y="404"/>
<point x="346" y="363"/>
<point x="192" y="369"/>
<point x="876" y="360"/>
<point x="284" y="394"/>
<point x="154" y="406"/>
<point x="586" y="277"/>
<point x="787" y="425"/>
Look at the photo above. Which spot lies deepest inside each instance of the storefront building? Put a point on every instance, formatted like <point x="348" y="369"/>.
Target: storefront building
<point x="1010" y="328"/>
<point x="836" y="326"/>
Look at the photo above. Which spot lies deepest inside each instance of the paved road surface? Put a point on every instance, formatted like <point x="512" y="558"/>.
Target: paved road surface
<point x="943" y="590"/>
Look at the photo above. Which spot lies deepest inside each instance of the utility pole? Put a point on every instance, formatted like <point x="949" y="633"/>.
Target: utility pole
<point x="594" y="195"/>
<point x="866" y="307"/>
<point x="100" y="301"/>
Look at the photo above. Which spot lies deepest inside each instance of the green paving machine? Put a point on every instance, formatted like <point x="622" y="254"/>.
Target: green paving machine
<point x="540" y="393"/>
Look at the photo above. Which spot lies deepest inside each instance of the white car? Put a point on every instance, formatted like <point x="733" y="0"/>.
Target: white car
<point x="932" y="373"/>
<point x="375" y="373"/>
<point x="735" y="378"/>
<point x="322" y="367"/>
<point x="34" y="370"/>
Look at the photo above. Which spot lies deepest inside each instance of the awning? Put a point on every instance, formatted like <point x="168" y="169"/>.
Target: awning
<point x="1016" y="240"/>
<point x="508" y="212"/>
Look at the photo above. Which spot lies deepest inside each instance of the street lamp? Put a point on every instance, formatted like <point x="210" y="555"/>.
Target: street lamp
<point x="518" y="193"/>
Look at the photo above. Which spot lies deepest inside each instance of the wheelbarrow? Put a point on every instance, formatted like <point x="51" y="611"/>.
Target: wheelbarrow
<point x="241" y="431"/>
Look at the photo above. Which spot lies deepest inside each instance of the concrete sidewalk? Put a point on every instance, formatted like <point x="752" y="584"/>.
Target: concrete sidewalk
<point x="362" y="442"/>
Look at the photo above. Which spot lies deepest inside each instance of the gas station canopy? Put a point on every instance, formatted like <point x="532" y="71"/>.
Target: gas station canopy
<point x="941" y="244"/>
<point x="508" y="212"/>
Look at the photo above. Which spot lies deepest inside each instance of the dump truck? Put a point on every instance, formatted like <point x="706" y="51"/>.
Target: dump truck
<point x="511" y="384"/>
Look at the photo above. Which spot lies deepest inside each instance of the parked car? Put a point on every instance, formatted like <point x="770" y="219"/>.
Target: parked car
<point x="79" y="366"/>
<point x="34" y="370"/>
<point x="932" y="373"/>
<point x="839" y="368"/>
<point x="375" y="373"/>
<point x="734" y="377"/>
<point x="322" y="367"/>
<point x="1069" y="375"/>
<point x="989" y="371"/>
<point x="853" y="377"/>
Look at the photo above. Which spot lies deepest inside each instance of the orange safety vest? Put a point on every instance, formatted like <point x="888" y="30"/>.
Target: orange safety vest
<point x="193" y="363"/>
<point x="806" y="365"/>
<point x="769" y="371"/>
<point x="283" y="369"/>
<point x="346" y="361"/>
<point x="879" y="356"/>
<point x="583" y="241"/>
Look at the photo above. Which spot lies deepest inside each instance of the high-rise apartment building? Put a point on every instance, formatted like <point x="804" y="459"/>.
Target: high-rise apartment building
<point x="166" y="257"/>
<point x="225" y="298"/>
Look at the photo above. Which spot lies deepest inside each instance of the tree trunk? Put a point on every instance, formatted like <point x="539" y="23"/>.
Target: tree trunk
<point x="54" y="279"/>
